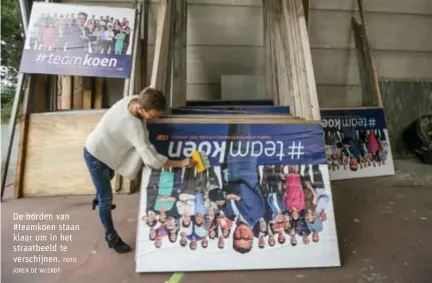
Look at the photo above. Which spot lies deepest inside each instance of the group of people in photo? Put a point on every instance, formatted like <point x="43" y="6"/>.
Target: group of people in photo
<point x="287" y="204"/>
<point x="102" y="34"/>
<point x="355" y="149"/>
<point x="236" y="200"/>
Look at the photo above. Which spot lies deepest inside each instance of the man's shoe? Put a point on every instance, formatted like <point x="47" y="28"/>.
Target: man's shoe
<point x="118" y="245"/>
<point x="96" y="203"/>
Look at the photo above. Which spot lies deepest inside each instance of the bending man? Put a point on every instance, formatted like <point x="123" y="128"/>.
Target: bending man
<point x="120" y="142"/>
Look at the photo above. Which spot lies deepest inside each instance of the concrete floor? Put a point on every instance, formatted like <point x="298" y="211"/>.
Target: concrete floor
<point x="383" y="228"/>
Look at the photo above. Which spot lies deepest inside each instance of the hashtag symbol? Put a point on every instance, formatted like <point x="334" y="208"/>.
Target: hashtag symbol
<point x="372" y="122"/>
<point x="296" y="150"/>
<point x="41" y="57"/>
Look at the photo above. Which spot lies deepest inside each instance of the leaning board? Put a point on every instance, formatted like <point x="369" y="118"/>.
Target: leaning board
<point x="357" y="143"/>
<point x="181" y="227"/>
<point x="54" y="162"/>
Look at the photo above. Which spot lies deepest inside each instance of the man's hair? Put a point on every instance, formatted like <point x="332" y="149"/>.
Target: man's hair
<point x="151" y="98"/>
<point x="184" y="224"/>
<point x="281" y="240"/>
<point x="82" y="14"/>
<point x="152" y="223"/>
<point x="175" y="238"/>
<point x="241" y="250"/>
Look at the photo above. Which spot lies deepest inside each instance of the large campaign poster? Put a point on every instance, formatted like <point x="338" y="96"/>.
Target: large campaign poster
<point x="264" y="203"/>
<point x="357" y="143"/>
<point x="68" y="39"/>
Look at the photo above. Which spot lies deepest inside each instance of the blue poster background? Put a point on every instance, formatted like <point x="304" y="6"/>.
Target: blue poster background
<point x="359" y="119"/>
<point x="284" y="143"/>
<point x="75" y="62"/>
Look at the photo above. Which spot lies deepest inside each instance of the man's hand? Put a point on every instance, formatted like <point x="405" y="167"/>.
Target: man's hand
<point x="188" y="162"/>
<point x="179" y="163"/>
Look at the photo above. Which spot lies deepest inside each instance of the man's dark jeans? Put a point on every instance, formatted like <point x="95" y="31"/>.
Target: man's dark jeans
<point x="101" y="176"/>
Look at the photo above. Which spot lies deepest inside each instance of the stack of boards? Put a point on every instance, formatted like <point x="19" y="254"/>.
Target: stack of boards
<point x="256" y="200"/>
<point x="53" y="156"/>
<point x="249" y="146"/>
<point x="53" y="162"/>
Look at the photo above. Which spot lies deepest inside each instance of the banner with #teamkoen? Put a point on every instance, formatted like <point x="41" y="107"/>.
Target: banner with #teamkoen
<point x="265" y="196"/>
<point x="357" y="143"/>
<point x="68" y="39"/>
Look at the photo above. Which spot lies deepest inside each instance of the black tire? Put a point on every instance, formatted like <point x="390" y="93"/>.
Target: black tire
<point x="418" y="138"/>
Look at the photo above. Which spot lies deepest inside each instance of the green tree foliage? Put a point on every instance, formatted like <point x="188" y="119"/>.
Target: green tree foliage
<point x="7" y="97"/>
<point x="11" y="39"/>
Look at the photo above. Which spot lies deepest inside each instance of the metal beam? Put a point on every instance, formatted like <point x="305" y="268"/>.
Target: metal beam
<point x="24" y="14"/>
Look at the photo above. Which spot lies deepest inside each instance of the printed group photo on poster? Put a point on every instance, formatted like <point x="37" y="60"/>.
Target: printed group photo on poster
<point x="237" y="208"/>
<point x="79" y="40"/>
<point x="357" y="143"/>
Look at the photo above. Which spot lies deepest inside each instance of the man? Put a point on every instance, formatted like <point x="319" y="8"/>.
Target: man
<point x="77" y="34"/>
<point x="241" y="197"/>
<point x="120" y="142"/>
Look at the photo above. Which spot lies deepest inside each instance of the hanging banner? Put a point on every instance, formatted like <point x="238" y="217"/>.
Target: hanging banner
<point x="266" y="194"/>
<point x="67" y="39"/>
<point x="357" y="143"/>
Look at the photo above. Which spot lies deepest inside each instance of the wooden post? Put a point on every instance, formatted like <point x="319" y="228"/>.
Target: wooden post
<point x="12" y="128"/>
<point x="98" y="96"/>
<point x="178" y="81"/>
<point x="270" y="90"/>
<point x="66" y="94"/>
<point x="39" y="98"/>
<point x="365" y="78"/>
<point x="135" y="185"/>
<point x="15" y="107"/>
<point x="306" y="8"/>
<point x="128" y="90"/>
<point x="370" y="60"/>
<point x="77" y="92"/>
<point x="19" y="175"/>
<point x="144" y="43"/>
<point x="135" y="41"/>
<point x="87" y="92"/>
<point x="288" y="51"/>
<point x="311" y="89"/>
<point x="159" y="71"/>
<point x="52" y="92"/>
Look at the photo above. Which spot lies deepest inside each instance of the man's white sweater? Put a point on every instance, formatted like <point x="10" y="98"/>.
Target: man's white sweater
<point x="121" y="141"/>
